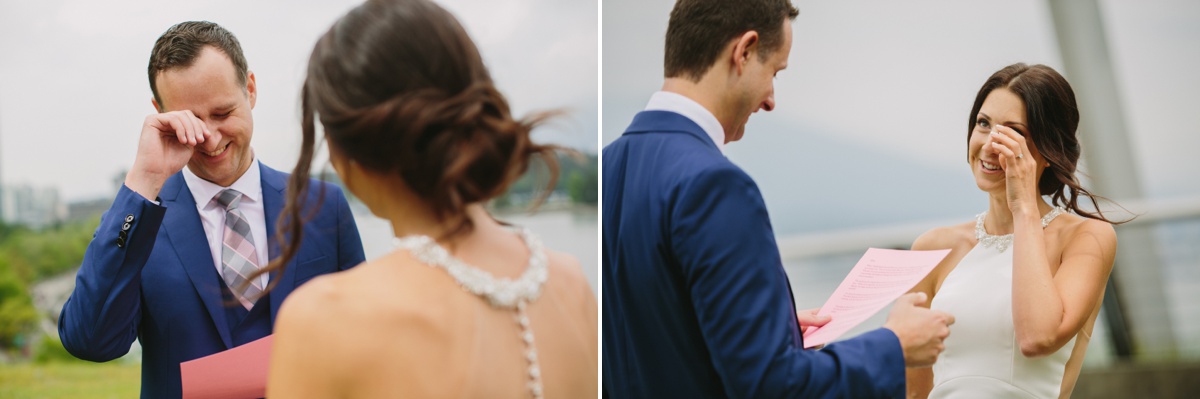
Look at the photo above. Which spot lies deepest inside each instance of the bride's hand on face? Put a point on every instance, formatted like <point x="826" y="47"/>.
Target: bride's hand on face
<point x="1020" y="169"/>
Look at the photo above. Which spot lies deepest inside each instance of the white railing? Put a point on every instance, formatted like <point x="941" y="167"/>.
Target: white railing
<point x="902" y="235"/>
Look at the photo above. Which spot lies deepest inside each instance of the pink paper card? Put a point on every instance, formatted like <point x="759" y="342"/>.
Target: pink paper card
<point x="881" y="276"/>
<point x="237" y="373"/>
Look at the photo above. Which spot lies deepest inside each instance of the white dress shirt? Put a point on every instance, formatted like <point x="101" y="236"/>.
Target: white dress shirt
<point x="212" y="214"/>
<point x="680" y="104"/>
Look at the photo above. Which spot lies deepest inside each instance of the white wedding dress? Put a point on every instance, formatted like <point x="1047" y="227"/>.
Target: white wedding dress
<point x="982" y="358"/>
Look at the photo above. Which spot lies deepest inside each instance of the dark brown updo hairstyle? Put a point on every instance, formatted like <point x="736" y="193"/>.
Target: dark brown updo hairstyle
<point x="1052" y="117"/>
<point x="401" y="89"/>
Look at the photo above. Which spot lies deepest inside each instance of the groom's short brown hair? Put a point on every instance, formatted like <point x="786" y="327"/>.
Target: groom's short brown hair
<point x="700" y="29"/>
<point x="180" y="46"/>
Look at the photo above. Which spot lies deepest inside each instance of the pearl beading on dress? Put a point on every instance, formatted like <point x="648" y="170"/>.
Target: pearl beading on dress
<point x="1001" y="243"/>
<point x="502" y="293"/>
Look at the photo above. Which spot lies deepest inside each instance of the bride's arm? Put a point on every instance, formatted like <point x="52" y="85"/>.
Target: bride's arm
<point x="1049" y="307"/>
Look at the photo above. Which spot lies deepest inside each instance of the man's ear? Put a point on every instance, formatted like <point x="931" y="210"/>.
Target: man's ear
<point x="251" y="88"/>
<point x="155" y="104"/>
<point x="745" y="46"/>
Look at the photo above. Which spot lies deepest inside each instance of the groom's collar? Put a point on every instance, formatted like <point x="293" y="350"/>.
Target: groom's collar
<point x="680" y="104"/>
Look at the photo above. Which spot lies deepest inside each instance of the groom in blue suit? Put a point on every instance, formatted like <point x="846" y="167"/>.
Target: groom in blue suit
<point x="696" y="301"/>
<point x="172" y="262"/>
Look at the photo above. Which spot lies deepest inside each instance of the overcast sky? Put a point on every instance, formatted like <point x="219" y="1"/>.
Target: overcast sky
<point x="865" y="78"/>
<point x="872" y="110"/>
<point x="74" y="90"/>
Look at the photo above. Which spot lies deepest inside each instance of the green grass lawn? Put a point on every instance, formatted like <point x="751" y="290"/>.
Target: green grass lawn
<point x="70" y="380"/>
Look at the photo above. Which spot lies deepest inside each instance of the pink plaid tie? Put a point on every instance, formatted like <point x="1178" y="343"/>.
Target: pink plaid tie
<point x="238" y="258"/>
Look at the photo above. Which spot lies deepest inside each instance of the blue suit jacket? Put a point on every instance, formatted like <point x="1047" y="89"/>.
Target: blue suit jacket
<point x="148" y="274"/>
<point x="696" y="301"/>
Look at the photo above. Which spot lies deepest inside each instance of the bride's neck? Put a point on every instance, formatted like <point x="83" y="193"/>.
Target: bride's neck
<point x="999" y="219"/>
<point x="390" y="198"/>
<point x="415" y="218"/>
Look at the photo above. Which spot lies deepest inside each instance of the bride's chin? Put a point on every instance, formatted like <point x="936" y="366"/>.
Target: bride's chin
<point x="988" y="186"/>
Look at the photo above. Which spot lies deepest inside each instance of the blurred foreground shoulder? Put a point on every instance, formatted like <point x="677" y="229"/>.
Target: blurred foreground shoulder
<point x="566" y="265"/>
<point x="308" y="347"/>
<point x="574" y="283"/>
<point x="312" y="311"/>
<point x="312" y="299"/>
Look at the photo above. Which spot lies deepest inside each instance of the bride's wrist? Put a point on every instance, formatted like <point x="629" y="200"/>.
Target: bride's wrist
<point x="1023" y="212"/>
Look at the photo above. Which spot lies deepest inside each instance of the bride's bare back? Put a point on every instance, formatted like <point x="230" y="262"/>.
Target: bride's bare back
<point x="394" y="327"/>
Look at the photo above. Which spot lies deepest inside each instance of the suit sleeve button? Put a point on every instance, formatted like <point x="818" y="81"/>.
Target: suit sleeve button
<point x="129" y="218"/>
<point x="120" y="242"/>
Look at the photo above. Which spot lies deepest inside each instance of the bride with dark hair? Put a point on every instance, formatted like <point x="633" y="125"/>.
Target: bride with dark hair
<point x="465" y="306"/>
<point x="1025" y="278"/>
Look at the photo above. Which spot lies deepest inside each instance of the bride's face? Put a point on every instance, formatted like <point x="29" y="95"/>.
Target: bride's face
<point x="1001" y="107"/>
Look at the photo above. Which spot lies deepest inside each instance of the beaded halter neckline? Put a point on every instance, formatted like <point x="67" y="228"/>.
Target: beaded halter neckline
<point x="501" y="293"/>
<point x="1001" y="243"/>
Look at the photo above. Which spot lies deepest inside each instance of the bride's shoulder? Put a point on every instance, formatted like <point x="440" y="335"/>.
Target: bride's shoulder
<point x="566" y="275"/>
<point x="566" y="265"/>
<point x="946" y="237"/>
<point x="313" y="298"/>
<point x="338" y="320"/>
<point x="312" y="313"/>
<point x="568" y="286"/>
<point x="1091" y="232"/>
<point x="1075" y="224"/>
<point x="357" y="293"/>
<point x="316" y="301"/>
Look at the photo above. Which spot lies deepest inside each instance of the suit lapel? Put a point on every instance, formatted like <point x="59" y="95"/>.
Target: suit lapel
<point x="183" y="227"/>
<point x="273" y="184"/>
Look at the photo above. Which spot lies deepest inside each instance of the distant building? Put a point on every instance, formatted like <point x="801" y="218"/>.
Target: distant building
<point x="33" y="207"/>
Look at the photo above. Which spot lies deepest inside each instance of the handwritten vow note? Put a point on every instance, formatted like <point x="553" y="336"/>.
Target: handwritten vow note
<point x="240" y="372"/>
<point x="881" y="276"/>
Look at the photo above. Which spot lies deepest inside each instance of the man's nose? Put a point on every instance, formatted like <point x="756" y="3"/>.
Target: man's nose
<point x="214" y="138"/>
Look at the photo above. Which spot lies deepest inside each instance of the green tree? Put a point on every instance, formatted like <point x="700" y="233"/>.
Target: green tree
<point x="27" y="256"/>
<point x="17" y="314"/>
<point x="575" y="186"/>
<point x="35" y="255"/>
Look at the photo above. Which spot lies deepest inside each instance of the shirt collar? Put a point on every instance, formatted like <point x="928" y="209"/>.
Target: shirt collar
<point x="203" y="191"/>
<point x="680" y="104"/>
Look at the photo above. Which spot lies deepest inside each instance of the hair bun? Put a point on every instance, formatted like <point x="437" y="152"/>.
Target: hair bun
<point x="401" y="90"/>
<point x="452" y="150"/>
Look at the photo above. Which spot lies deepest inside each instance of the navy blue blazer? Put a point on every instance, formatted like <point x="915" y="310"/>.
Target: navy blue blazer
<point x="696" y="301"/>
<point x="148" y="274"/>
